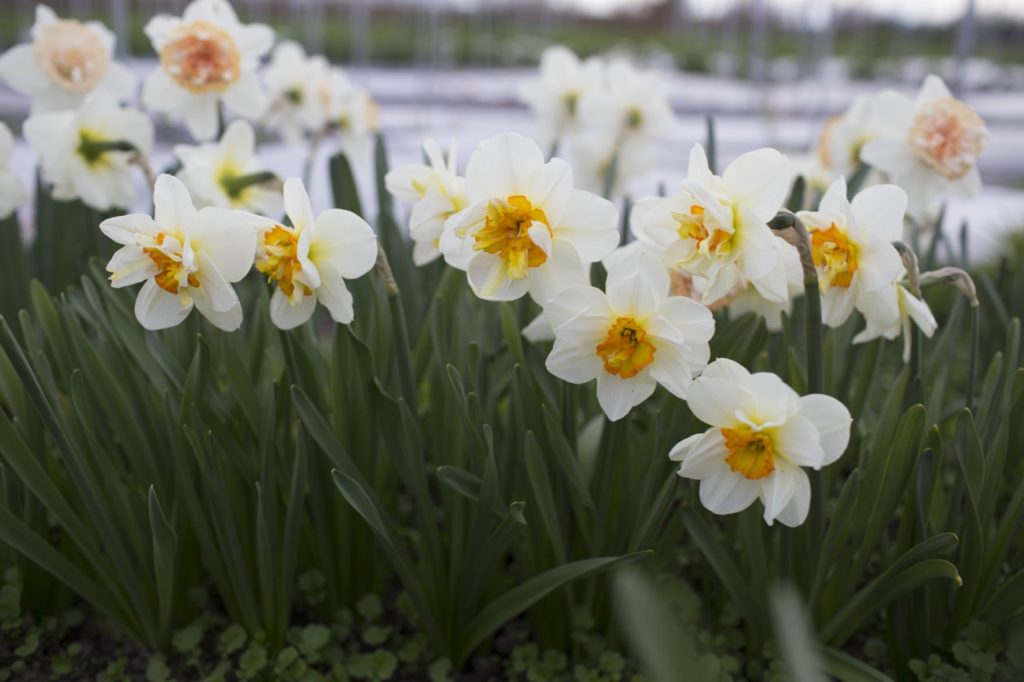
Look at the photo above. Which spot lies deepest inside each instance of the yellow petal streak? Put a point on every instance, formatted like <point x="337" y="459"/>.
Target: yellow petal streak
<point x="506" y="234"/>
<point x="835" y="256"/>
<point x="626" y="351"/>
<point x="750" y="452"/>
<point x="279" y="259"/>
<point x="169" y="270"/>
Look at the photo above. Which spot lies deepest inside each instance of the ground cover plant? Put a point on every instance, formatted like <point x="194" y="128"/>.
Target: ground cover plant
<point x="528" y="424"/>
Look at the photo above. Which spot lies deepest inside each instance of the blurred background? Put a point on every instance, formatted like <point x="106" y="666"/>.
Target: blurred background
<point x="770" y="72"/>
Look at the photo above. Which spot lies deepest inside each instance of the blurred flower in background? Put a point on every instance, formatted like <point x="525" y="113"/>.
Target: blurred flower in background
<point x="293" y="82"/>
<point x="66" y="60"/>
<point x="12" y="192"/>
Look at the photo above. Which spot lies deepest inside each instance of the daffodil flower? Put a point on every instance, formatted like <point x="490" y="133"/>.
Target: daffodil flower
<point x="435" y="192"/>
<point x="293" y="81"/>
<point x="206" y="57"/>
<point x="843" y="137"/>
<point x="929" y="147"/>
<point x="12" y="192"/>
<point x="525" y="229"/>
<point x="716" y="227"/>
<point x="65" y="61"/>
<point x="912" y="310"/>
<point x="87" y="154"/>
<point x="851" y="246"/>
<point x="762" y="434"/>
<point x="631" y="338"/>
<point x="186" y="258"/>
<point x="555" y="95"/>
<point x="229" y="174"/>
<point x="310" y="260"/>
<point x="351" y="113"/>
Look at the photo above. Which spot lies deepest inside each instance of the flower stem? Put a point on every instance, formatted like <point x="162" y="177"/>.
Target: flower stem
<point x="406" y="377"/>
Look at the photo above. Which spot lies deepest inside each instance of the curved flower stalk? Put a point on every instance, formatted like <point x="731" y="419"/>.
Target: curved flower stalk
<point x="229" y="174"/>
<point x="434" y="192"/>
<point x="762" y="434"/>
<point x="293" y="81"/>
<point x="631" y="338"/>
<point x="12" y="192"/>
<point x="929" y="147"/>
<point x="555" y="95"/>
<point x="206" y="57"/>
<point x="88" y="154"/>
<point x="851" y="247"/>
<point x="716" y="227"/>
<point x="311" y="259"/>
<point x="525" y="229"/>
<point x="351" y="112"/>
<point x="186" y="258"/>
<point x="65" y="61"/>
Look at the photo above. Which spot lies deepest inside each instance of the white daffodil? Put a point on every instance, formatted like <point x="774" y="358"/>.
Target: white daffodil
<point x="525" y="228"/>
<point x="311" y="259"/>
<point x="555" y="95"/>
<point x="352" y="113"/>
<point x="65" y="61"/>
<point x="434" y="192"/>
<point x="603" y="163"/>
<point x="293" y="83"/>
<point x="87" y="154"/>
<point x="851" y="246"/>
<point x="187" y="258"/>
<point x="631" y="339"/>
<point x="12" y="192"/>
<point x="716" y="227"/>
<point x="912" y="309"/>
<point x="844" y="136"/>
<point x="750" y="300"/>
<point x="206" y="57"/>
<point x="635" y="104"/>
<point x="762" y="434"/>
<point x="229" y="174"/>
<point x="929" y="147"/>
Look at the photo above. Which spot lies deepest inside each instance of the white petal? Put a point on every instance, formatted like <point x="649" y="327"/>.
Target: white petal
<point x="798" y="442"/>
<point x="919" y="312"/>
<point x="159" y="309"/>
<point x="933" y="88"/>
<point x="880" y="209"/>
<point x="795" y="512"/>
<point x="172" y="205"/>
<point x="617" y="396"/>
<point x="334" y="295"/>
<point x="227" y="238"/>
<point x="727" y="370"/>
<point x="837" y="305"/>
<point x="574" y="301"/>
<point x="19" y="70"/>
<point x="590" y="224"/>
<point x="227" y="320"/>
<point x="502" y="167"/>
<point x="574" y="362"/>
<point x="345" y="240"/>
<point x="779" y="489"/>
<point x="674" y="365"/>
<point x="726" y="492"/>
<point x="832" y="420"/>
<point x="774" y="400"/>
<point x="701" y="455"/>
<point x="296" y="204"/>
<point x="488" y="277"/>
<point x="125" y="229"/>
<point x="715" y="401"/>
<point x="759" y="181"/>
<point x="637" y="285"/>
<point x="561" y="271"/>
<point x="201" y="116"/>
<point x="246" y="96"/>
<point x="891" y="156"/>
<point x="549" y="189"/>
<point x="215" y="291"/>
<point x="699" y="170"/>
<point x="287" y="315"/>
<point x="538" y="330"/>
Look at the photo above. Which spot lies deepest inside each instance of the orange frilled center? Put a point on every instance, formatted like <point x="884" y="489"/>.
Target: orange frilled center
<point x="279" y="259"/>
<point x="626" y="350"/>
<point x="506" y="234"/>
<point x="750" y="452"/>
<point x="692" y="226"/>
<point x="948" y="135"/>
<point x="202" y="57"/>
<point x="170" y="271"/>
<point x="72" y="54"/>
<point x="835" y="256"/>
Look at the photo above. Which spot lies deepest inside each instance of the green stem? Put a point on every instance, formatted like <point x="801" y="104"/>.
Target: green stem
<point x="609" y="176"/>
<point x="972" y="365"/>
<point x="406" y="375"/>
<point x="236" y="184"/>
<point x="92" y="150"/>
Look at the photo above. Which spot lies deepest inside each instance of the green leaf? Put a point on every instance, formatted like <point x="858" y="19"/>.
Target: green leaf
<point x="795" y="636"/>
<point x="526" y="594"/>
<point x="165" y="543"/>
<point x="540" y="483"/>
<point x="846" y="668"/>
<point x="343" y="184"/>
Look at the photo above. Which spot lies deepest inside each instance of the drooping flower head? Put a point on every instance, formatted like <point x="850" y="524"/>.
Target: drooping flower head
<point x="716" y="227"/>
<point x="186" y="258"/>
<point x="12" y="192"/>
<point x="310" y="260"/>
<point x="912" y="310"/>
<point x="435" y="192"/>
<point x="525" y="228"/>
<point x="555" y="95"/>
<point x="82" y="155"/>
<point x="206" y="56"/>
<point x="762" y="434"/>
<point x="293" y="82"/>
<point x="930" y="147"/>
<point x="631" y="338"/>
<point x="851" y="246"/>
<point x="224" y="173"/>
<point x="65" y="61"/>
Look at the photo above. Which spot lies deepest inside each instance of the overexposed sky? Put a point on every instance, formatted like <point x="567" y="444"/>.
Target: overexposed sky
<point x="915" y="11"/>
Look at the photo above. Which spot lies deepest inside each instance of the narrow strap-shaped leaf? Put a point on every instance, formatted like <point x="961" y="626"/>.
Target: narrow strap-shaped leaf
<point x="540" y="483"/>
<point x="343" y="184"/>
<point x="526" y="594"/>
<point x="794" y="635"/>
<point x="165" y="545"/>
<point x="846" y="668"/>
